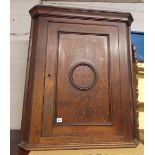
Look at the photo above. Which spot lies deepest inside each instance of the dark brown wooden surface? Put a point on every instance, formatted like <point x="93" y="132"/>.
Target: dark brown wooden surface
<point x="79" y="90"/>
<point x="82" y="52"/>
<point x="75" y="106"/>
<point x="14" y="141"/>
<point x="77" y="13"/>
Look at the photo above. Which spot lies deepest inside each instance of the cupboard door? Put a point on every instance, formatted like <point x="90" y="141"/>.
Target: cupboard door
<point x="82" y="84"/>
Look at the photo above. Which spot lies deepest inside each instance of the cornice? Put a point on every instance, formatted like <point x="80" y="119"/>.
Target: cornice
<point x="66" y="12"/>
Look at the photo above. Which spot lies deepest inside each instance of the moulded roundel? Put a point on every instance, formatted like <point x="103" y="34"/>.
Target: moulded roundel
<point x="83" y="76"/>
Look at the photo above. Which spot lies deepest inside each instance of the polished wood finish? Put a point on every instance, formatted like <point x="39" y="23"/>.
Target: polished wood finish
<point x="15" y="140"/>
<point x="80" y="90"/>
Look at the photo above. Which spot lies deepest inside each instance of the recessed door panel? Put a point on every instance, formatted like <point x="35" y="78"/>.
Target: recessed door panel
<point x="83" y="81"/>
<point x="82" y="74"/>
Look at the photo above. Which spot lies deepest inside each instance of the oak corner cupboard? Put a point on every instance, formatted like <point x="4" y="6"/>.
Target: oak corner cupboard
<point x="80" y="89"/>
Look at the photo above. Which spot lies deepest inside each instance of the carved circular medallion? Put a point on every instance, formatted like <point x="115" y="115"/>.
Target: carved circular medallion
<point x="83" y="76"/>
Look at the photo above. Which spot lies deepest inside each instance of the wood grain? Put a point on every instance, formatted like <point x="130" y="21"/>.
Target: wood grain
<point x="79" y="89"/>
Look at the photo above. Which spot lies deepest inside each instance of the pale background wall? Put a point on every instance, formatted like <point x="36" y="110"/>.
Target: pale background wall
<point x="20" y="23"/>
